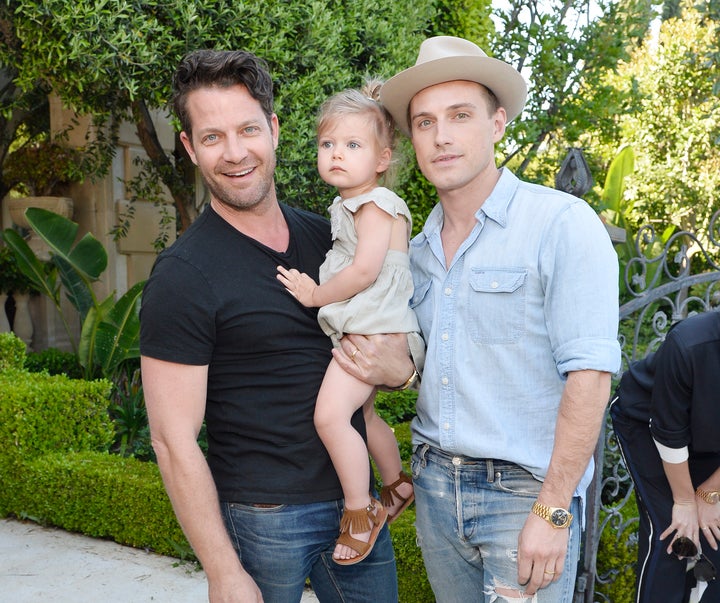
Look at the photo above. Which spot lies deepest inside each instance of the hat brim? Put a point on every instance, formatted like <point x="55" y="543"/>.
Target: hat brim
<point x="505" y="82"/>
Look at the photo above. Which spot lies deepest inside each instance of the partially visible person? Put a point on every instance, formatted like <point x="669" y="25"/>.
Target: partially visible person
<point x="666" y="416"/>
<point x="221" y="340"/>
<point x="365" y="287"/>
<point x="517" y="298"/>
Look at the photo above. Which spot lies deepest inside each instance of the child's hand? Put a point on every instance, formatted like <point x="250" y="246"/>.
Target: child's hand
<point x="300" y="285"/>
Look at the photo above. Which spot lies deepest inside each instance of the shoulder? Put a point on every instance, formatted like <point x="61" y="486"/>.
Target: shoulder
<point x="695" y="331"/>
<point x="384" y="198"/>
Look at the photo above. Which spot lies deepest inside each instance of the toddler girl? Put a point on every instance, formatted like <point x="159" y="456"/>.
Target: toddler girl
<point x="365" y="288"/>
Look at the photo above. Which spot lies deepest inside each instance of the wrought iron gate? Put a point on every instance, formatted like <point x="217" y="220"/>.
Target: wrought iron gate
<point x="665" y="282"/>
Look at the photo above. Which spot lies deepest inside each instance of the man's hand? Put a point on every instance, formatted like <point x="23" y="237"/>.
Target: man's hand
<point x="541" y="553"/>
<point x="376" y="359"/>
<point x="237" y="588"/>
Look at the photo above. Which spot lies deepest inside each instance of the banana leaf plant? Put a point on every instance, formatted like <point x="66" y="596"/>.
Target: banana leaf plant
<point x="615" y="210"/>
<point x="110" y="328"/>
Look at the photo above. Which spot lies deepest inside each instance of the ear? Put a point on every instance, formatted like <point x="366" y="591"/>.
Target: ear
<point x="384" y="160"/>
<point x="500" y="122"/>
<point x="187" y="143"/>
<point x="275" y="128"/>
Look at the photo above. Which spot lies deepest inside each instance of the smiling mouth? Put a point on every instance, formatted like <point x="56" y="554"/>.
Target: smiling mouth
<point x="239" y="174"/>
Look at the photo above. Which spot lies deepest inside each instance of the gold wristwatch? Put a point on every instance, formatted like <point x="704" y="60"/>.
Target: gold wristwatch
<point x="711" y="497"/>
<point x="557" y="517"/>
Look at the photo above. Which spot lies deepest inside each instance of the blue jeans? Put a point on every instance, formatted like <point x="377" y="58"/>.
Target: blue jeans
<point x="283" y="545"/>
<point x="469" y="515"/>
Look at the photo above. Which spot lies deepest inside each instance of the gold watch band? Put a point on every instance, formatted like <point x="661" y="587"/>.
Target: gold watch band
<point x="557" y="517"/>
<point x="711" y="497"/>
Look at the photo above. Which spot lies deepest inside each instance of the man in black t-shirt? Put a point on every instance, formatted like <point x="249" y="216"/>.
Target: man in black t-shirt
<point x="666" y="416"/>
<point x="221" y="340"/>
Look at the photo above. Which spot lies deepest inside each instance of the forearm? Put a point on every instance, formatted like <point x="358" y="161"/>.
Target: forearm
<point x="579" y="420"/>
<point x="678" y="476"/>
<point x="193" y="495"/>
<point x="347" y="283"/>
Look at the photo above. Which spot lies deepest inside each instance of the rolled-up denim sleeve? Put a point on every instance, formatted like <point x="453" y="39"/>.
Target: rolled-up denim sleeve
<point x="580" y="272"/>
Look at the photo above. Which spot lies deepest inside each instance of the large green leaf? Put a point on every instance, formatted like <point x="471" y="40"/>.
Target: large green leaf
<point x="28" y="263"/>
<point x="77" y="289"/>
<point x="118" y="335"/>
<point x="621" y="166"/>
<point x="88" y="256"/>
<point x="88" y="334"/>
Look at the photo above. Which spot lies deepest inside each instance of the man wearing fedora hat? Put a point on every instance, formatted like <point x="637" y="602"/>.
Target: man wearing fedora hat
<point x="516" y="292"/>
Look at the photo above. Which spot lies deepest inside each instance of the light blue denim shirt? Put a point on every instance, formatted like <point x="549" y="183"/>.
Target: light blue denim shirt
<point x="531" y="295"/>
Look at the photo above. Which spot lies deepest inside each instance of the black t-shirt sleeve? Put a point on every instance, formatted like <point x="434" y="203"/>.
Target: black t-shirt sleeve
<point x="177" y="314"/>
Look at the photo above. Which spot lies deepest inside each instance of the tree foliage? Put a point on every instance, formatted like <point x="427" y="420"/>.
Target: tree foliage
<point x="676" y="131"/>
<point x="114" y="59"/>
<point x="565" y="48"/>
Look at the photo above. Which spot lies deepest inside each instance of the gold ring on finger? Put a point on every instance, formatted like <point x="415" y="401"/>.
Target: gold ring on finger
<point x="352" y="356"/>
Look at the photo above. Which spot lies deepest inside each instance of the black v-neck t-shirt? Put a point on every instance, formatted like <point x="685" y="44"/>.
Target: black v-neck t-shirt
<point x="213" y="299"/>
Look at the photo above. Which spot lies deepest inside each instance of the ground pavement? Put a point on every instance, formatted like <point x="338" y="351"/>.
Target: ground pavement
<point x="39" y="564"/>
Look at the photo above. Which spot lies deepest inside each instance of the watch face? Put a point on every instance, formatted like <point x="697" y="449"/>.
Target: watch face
<point x="559" y="517"/>
<point x="713" y="497"/>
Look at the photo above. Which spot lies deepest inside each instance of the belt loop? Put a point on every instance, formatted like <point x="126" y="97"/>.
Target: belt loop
<point x="490" y="471"/>
<point x="421" y="452"/>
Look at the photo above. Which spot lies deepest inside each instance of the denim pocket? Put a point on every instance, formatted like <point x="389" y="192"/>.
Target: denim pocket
<point x="496" y="305"/>
<point x="515" y="480"/>
<point x="421" y="303"/>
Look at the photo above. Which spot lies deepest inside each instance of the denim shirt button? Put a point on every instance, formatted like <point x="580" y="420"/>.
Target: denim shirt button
<point x="457" y="461"/>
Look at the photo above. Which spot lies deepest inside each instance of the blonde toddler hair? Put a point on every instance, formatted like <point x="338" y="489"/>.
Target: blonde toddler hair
<point x="363" y="101"/>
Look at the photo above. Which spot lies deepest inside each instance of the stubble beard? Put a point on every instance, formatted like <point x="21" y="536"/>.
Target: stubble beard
<point x="246" y="198"/>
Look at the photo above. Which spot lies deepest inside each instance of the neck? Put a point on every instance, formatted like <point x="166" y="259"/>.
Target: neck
<point x="265" y="223"/>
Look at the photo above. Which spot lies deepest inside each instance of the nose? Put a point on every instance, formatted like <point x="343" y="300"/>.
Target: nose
<point x="442" y="133"/>
<point x="234" y="150"/>
<point x="337" y="152"/>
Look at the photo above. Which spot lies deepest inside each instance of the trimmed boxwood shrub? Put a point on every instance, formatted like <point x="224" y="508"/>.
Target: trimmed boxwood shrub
<point x="101" y="495"/>
<point x="12" y="351"/>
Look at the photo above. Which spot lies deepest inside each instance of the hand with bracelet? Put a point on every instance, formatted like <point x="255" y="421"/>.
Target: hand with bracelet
<point x="707" y="496"/>
<point x="382" y="360"/>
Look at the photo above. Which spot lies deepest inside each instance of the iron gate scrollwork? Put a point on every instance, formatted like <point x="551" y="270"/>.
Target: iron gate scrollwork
<point x="666" y="281"/>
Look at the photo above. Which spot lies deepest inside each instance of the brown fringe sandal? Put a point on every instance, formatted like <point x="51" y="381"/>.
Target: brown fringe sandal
<point x="372" y="518"/>
<point x="389" y="494"/>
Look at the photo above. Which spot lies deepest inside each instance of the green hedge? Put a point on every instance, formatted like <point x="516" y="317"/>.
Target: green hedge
<point x="101" y="495"/>
<point x="55" y="433"/>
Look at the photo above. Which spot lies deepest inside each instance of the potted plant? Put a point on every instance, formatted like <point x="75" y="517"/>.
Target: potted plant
<point x="42" y="172"/>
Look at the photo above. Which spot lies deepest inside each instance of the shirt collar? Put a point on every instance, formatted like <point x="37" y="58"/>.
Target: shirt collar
<point x="495" y="206"/>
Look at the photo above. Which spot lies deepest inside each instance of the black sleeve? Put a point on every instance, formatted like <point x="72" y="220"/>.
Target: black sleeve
<point x="177" y="314"/>
<point x="672" y="394"/>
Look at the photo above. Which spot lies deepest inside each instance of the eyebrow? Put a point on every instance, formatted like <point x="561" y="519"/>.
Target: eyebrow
<point x="453" y="107"/>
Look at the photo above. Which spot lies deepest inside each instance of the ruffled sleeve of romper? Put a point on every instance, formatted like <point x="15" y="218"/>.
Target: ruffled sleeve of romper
<point x="385" y="199"/>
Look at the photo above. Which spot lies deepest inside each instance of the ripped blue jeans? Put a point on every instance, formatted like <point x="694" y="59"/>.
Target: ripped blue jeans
<point x="469" y="513"/>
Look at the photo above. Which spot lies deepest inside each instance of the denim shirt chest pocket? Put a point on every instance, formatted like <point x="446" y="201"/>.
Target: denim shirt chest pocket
<point x="496" y="305"/>
<point x="421" y="303"/>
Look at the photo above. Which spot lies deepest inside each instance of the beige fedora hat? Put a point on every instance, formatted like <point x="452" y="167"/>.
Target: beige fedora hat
<point x="445" y="59"/>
